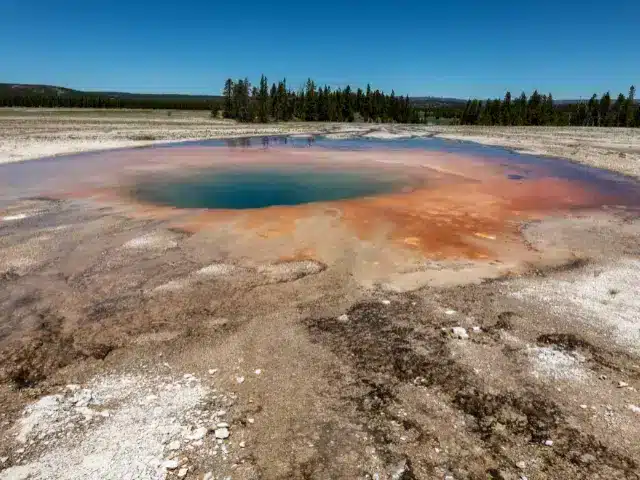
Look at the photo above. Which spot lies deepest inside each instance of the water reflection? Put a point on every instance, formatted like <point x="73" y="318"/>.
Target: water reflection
<point x="270" y="141"/>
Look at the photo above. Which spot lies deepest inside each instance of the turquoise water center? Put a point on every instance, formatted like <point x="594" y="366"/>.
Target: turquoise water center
<point x="262" y="187"/>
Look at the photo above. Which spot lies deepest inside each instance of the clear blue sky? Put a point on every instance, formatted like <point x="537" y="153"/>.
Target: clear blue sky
<point x="457" y="48"/>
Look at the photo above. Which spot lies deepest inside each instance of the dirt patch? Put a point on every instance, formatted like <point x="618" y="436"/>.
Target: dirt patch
<point x="400" y="346"/>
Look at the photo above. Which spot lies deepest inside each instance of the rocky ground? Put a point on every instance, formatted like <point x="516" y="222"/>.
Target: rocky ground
<point x="133" y="349"/>
<point x="616" y="149"/>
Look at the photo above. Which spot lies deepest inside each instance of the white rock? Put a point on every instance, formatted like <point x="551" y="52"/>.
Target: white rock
<point x="258" y="371"/>
<point x="521" y="465"/>
<point x="548" y="443"/>
<point x="386" y="302"/>
<point x="198" y="433"/>
<point x="221" y="413"/>
<point x="182" y="472"/>
<point x="175" y="445"/>
<point x="242" y="444"/>
<point x="212" y="371"/>
<point x="222" y="433"/>
<point x="222" y="425"/>
<point x="460" y="332"/>
<point x="343" y="318"/>
<point x="476" y="329"/>
<point x="4" y="459"/>
<point x="449" y="312"/>
<point x="82" y="398"/>
<point x="208" y="476"/>
<point x="622" y="384"/>
<point x="634" y="408"/>
<point x="73" y="387"/>
<point x="239" y="379"/>
<point x="583" y="406"/>
<point x="250" y="420"/>
<point x="170" y="464"/>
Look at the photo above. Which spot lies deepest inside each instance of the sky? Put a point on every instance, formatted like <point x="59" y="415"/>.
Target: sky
<point x="449" y="48"/>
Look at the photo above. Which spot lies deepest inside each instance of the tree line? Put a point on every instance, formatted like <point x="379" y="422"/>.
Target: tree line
<point x="76" y="100"/>
<point x="541" y="110"/>
<point x="245" y="102"/>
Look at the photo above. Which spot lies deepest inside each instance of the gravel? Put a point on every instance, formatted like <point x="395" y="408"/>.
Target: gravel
<point x="556" y="364"/>
<point x="149" y="419"/>
<point x="603" y="296"/>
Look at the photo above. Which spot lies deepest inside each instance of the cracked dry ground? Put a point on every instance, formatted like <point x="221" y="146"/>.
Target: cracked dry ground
<point x="353" y="382"/>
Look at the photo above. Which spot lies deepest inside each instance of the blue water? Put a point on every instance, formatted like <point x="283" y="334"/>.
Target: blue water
<point x="261" y="187"/>
<point x="293" y="187"/>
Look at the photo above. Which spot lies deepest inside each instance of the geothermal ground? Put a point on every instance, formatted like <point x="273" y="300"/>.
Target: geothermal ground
<point x="472" y="324"/>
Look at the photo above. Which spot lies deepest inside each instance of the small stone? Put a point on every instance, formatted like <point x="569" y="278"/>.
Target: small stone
<point x="521" y="465"/>
<point x="634" y="408"/>
<point x="587" y="458"/>
<point x="175" y="445"/>
<point x="208" y="476"/>
<point x="449" y="312"/>
<point x="4" y="459"/>
<point x="182" y="472"/>
<point x="386" y="302"/>
<point x="250" y="420"/>
<point x="212" y="371"/>
<point x="73" y="387"/>
<point x="105" y="413"/>
<point x="476" y="329"/>
<point x="242" y="444"/>
<point x="548" y="443"/>
<point x="221" y="413"/>
<point x="222" y="425"/>
<point x="603" y="377"/>
<point x="460" y="333"/>
<point x="343" y="318"/>
<point x="258" y="371"/>
<point x="198" y="433"/>
<point x="239" y="379"/>
<point x="583" y="406"/>
<point x="170" y="464"/>
<point x="622" y="384"/>
<point x="221" y="433"/>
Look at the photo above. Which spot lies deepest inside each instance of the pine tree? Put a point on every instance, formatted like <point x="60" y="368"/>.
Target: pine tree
<point x="263" y="100"/>
<point x="507" y="112"/>
<point x="620" y="111"/>
<point x="630" y="105"/>
<point x="227" y="93"/>
<point x="549" y="112"/>
<point x="605" y="107"/>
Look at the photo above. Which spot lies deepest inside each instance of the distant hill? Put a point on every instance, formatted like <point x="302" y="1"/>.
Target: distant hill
<point x="25" y="90"/>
